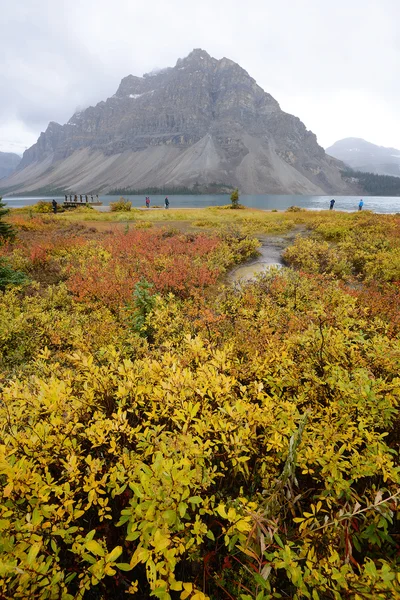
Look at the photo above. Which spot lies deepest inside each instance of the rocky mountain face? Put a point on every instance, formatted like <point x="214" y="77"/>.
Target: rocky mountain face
<point x="361" y="155"/>
<point x="8" y="163"/>
<point x="203" y="121"/>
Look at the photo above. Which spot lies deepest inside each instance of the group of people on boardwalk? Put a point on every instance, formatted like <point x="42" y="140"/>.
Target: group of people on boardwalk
<point x="332" y="204"/>
<point x="166" y="202"/>
<point x="73" y="198"/>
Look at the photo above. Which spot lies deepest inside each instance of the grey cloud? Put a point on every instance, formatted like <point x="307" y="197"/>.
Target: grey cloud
<point x="334" y="65"/>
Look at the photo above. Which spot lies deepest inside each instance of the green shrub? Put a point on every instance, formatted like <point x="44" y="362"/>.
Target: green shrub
<point x="143" y="225"/>
<point x="6" y="230"/>
<point x="235" y="198"/>
<point x="121" y="205"/>
<point x="44" y="207"/>
<point x="10" y="277"/>
<point x="295" y="209"/>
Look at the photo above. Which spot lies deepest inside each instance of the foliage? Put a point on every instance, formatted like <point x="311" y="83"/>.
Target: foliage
<point x="369" y="248"/>
<point x="165" y="435"/>
<point x="6" y="230"/>
<point x="294" y="209"/>
<point x="42" y="207"/>
<point x="235" y="199"/>
<point x="143" y="304"/>
<point x="121" y="205"/>
<point x="10" y="277"/>
<point x="143" y="225"/>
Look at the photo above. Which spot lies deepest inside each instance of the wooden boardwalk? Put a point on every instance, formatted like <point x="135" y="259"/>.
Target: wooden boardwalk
<point x="82" y="200"/>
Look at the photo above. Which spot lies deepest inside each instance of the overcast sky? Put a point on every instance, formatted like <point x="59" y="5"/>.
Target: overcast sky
<point x="333" y="63"/>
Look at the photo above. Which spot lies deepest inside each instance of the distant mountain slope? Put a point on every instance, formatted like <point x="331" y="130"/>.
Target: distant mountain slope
<point x="8" y="163"/>
<point x="364" y="156"/>
<point x="204" y="121"/>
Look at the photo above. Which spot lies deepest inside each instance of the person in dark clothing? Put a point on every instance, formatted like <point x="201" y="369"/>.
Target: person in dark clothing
<point x="54" y="204"/>
<point x="331" y="204"/>
<point x="166" y="202"/>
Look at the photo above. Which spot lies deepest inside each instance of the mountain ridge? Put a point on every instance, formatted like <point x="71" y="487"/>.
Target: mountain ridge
<point x="202" y="121"/>
<point x="361" y="155"/>
<point x="9" y="162"/>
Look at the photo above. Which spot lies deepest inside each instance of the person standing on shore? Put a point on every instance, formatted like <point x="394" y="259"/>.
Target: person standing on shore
<point x="166" y="202"/>
<point x="54" y="204"/>
<point x="361" y="204"/>
<point x="147" y="201"/>
<point x="331" y="204"/>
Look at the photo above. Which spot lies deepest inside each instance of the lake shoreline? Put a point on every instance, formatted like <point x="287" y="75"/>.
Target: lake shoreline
<point x="381" y="205"/>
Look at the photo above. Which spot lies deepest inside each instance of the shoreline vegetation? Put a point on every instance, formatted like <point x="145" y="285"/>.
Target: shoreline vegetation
<point x="166" y="432"/>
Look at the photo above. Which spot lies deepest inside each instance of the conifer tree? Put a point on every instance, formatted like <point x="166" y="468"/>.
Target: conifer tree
<point x="235" y="198"/>
<point x="6" y="231"/>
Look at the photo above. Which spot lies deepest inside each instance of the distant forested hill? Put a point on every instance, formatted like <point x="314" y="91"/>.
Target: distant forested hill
<point x="372" y="184"/>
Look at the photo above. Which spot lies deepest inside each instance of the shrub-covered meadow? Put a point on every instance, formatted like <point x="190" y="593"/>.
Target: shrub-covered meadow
<point x="166" y="434"/>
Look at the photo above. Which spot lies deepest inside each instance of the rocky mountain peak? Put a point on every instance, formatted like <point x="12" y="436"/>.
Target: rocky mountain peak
<point x="196" y="57"/>
<point x="202" y="121"/>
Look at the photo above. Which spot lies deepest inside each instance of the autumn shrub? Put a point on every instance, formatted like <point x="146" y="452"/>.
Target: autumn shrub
<point x="295" y="209"/>
<point x="164" y="436"/>
<point x="173" y="263"/>
<point x="32" y="223"/>
<point x="121" y="205"/>
<point x="315" y="256"/>
<point x="44" y="207"/>
<point x="143" y="225"/>
<point x="210" y="449"/>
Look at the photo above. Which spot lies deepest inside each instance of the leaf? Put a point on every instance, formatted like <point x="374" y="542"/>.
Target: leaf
<point x="221" y="511"/>
<point x="160" y="541"/>
<point x="114" y="554"/>
<point x="94" y="547"/>
<point x="266" y="570"/>
<point x="187" y="590"/>
<point x="33" y="552"/>
<point x="195" y="500"/>
<point x="123" y="566"/>
<point x="170" y="516"/>
<point x="278" y="540"/>
<point x="182" y="507"/>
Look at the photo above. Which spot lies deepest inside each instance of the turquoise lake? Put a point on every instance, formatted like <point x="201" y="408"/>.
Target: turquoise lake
<point x="263" y="201"/>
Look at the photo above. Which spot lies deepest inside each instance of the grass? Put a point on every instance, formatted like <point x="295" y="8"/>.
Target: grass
<point x="202" y="218"/>
<point x="245" y="221"/>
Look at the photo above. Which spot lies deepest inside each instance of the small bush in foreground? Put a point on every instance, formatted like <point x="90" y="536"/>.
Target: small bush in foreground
<point x="295" y="209"/>
<point x="235" y="198"/>
<point x="10" y="277"/>
<point x="121" y="205"/>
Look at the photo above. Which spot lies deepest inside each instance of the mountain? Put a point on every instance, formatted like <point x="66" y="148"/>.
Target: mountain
<point x="8" y="163"/>
<point x="202" y="122"/>
<point x="364" y="156"/>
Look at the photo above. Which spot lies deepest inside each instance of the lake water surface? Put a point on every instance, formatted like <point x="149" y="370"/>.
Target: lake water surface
<point x="263" y="201"/>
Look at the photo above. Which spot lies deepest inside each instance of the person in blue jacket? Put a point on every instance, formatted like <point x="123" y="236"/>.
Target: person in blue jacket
<point x="360" y="204"/>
